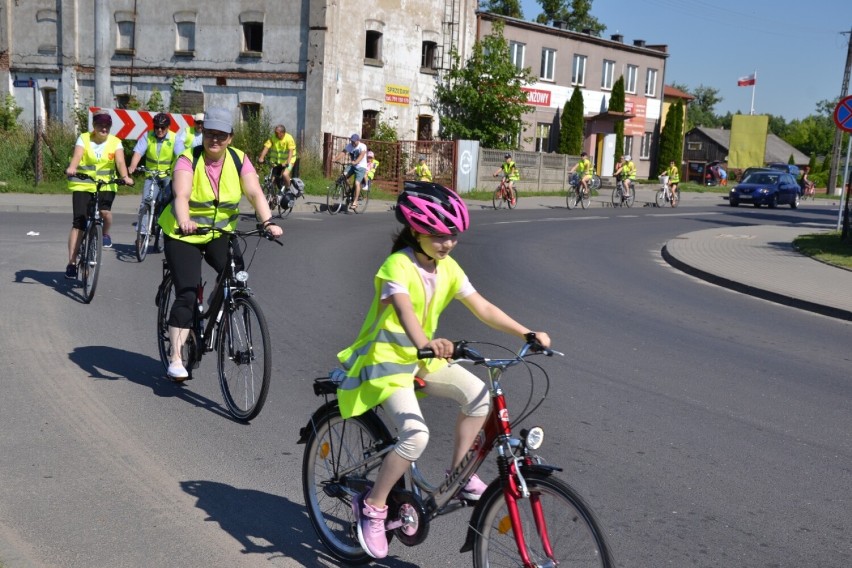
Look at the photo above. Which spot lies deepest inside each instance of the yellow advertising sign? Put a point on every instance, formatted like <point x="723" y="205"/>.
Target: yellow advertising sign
<point x="397" y="95"/>
<point x="748" y="141"/>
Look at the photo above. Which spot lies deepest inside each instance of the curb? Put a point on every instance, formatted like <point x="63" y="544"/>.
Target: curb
<point x="775" y="297"/>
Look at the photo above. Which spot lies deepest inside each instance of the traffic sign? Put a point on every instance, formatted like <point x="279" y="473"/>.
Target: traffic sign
<point x="843" y="114"/>
<point x="133" y="124"/>
<point x="28" y="83"/>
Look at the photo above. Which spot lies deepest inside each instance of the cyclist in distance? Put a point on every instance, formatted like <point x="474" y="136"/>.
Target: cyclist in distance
<point x="626" y="171"/>
<point x="357" y="153"/>
<point x="158" y="148"/>
<point x="510" y="172"/>
<point x="98" y="154"/>
<point x="209" y="181"/>
<point x="674" y="176"/>
<point x="372" y="166"/>
<point x="421" y="169"/>
<point x="192" y="134"/>
<point x="411" y="289"/>
<point x="282" y="155"/>
<point x="583" y="168"/>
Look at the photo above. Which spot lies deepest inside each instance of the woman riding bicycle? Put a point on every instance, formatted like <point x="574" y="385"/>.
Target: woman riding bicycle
<point x="411" y="289"/>
<point x="208" y="182"/>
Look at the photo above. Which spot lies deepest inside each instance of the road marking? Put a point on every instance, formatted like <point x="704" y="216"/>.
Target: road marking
<point x="683" y="214"/>
<point x="546" y="219"/>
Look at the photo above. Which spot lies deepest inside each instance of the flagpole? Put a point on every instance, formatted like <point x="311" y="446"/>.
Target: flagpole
<point x="753" y="87"/>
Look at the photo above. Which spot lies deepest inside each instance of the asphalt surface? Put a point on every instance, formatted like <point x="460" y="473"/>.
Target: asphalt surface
<point x="756" y="260"/>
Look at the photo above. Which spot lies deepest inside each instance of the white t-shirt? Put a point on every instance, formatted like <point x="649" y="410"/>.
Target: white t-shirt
<point x="354" y="150"/>
<point x="389" y="288"/>
<point x="97" y="149"/>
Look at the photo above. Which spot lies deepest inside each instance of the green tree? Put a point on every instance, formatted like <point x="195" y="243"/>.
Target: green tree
<point x="576" y="13"/>
<point x="616" y="104"/>
<point x="671" y="140"/>
<point x="9" y="113"/>
<point x="812" y="163"/>
<point x="701" y="109"/>
<point x="483" y="100"/>
<point x="510" y="8"/>
<point x="571" y="127"/>
<point x="155" y="101"/>
<point x="250" y="134"/>
<point x="177" y="94"/>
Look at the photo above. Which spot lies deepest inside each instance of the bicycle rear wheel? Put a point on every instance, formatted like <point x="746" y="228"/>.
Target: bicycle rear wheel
<point x="143" y="231"/>
<point x="245" y="358"/>
<point x="558" y="528"/>
<point x="595" y="183"/>
<point x="675" y="197"/>
<point x="335" y="445"/>
<point x="336" y="197"/>
<point x="585" y="198"/>
<point x="363" y="200"/>
<point x="164" y="301"/>
<point x="90" y="261"/>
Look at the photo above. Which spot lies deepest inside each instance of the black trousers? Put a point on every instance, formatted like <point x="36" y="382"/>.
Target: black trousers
<point x="185" y="265"/>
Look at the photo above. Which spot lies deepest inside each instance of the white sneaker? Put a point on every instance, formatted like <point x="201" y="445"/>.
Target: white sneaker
<point x="177" y="372"/>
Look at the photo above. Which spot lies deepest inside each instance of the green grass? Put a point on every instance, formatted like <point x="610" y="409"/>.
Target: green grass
<point x="826" y="247"/>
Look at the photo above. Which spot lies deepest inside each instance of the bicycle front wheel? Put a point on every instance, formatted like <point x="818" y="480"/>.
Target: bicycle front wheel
<point x="616" y="197"/>
<point x="143" y="231"/>
<point x="334" y="446"/>
<point x="660" y="198"/>
<point x="498" y="200"/>
<point x="90" y="261"/>
<point x="632" y="197"/>
<point x="336" y="197"/>
<point x="245" y="358"/>
<point x="573" y="198"/>
<point x="557" y="527"/>
<point x="512" y="197"/>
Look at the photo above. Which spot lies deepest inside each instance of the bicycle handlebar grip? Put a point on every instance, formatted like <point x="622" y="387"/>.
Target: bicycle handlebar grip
<point x="425" y="353"/>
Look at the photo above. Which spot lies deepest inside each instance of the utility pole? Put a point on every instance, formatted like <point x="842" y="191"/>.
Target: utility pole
<point x="103" y="91"/>
<point x="838" y="133"/>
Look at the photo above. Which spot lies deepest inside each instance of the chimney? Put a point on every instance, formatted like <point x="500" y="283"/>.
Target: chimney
<point x="560" y="24"/>
<point x="587" y="31"/>
<point x="617" y="37"/>
<point x="639" y="42"/>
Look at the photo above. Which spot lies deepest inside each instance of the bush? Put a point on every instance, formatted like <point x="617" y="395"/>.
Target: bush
<point x="249" y="135"/>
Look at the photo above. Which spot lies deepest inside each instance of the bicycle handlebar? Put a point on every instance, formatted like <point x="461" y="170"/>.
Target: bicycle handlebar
<point x="155" y="173"/>
<point x="463" y="351"/>
<point x="100" y="183"/>
<point x="260" y="232"/>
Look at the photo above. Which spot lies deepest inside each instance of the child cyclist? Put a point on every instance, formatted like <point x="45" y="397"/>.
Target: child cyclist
<point x="413" y="286"/>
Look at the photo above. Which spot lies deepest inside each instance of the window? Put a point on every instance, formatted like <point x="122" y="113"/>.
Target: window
<point x="607" y="75"/>
<point x="645" y="149"/>
<point x="548" y="60"/>
<point x="185" y="37"/>
<point x="253" y="36"/>
<point x="125" y="36"/>
<point x="628" y="145"/>
<point x="249" y="111"/>
<point x="424" y="127"/>
<point x="542" y="137"/>
<point x="516" y="50"/>
<point x="651" y="83"/>
<point x="578" y="71"/>
<point x="369" y="123"/>
<point x="122" y="101"/>
<point x="51" y="104"/>
<point x="630" y="79"/>
<point x="693" y="146"/>
<point x="427" y="56"/>
<point x="373" y="48"/>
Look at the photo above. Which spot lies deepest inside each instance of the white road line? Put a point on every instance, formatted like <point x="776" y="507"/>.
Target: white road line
<point x="685" y="214"/>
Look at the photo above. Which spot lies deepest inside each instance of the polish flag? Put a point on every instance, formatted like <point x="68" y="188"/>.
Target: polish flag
<point x="746" y="81"/>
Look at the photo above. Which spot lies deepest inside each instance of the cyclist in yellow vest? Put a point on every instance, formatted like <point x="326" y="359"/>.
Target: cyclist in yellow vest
<point x="510" y="172"/>
<point x="411" y="289"/>
<point x="282" y="155"/>
<point x="583" y="169"/>
<point x="674" y="176"/>
<point x="159" y="148"/>
<point x="209" y="181"/>
<point x="626" y="171"/>
<point x="372" y="166"/>
<point x="192" y="134"/>
<point x="98" y="154"/>
<point x="421" y="170"/>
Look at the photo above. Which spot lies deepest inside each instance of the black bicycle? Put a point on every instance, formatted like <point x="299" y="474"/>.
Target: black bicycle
<point x="90" y="251"/>
<point x="233" y="325"/>
<point x="342" y="193"/>
<point x="576" y="196"/>
<point x="147" y="228"/>
<point x="619" y="198"/>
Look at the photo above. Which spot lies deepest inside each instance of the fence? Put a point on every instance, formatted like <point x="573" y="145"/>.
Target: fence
<point x="540" y="172"/>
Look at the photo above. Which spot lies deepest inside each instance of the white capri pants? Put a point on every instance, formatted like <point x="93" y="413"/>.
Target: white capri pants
<point x="453" y="382"/>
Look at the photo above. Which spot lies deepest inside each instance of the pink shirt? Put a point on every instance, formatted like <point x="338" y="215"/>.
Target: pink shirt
<point x="213" y="169"/>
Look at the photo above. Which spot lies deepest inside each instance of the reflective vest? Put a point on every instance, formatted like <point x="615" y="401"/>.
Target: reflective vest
<point x="629" y="170"/>
<point x="189" y="137"/>
<point x="383" y="358"/>
<point x="674" y="174"/>
<point x="422" y="172"/>
<point x="510" y="170"/>
<point x="204" y="209"/>
<point x="584" y="167"/>
<point x="371" y="168"/>
<point x="279" y="149"/>
<point x="160" y="155"/>
<point x="103" y="168"/>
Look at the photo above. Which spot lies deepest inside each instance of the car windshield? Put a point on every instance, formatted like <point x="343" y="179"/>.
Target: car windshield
<point x="760" y="178"/>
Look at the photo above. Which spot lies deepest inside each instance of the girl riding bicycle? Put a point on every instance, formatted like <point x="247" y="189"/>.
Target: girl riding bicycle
<point x="411" y="289"/>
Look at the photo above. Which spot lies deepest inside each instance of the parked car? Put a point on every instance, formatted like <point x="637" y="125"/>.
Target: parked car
<point x="789" y="168"/>
<point x="766" y="187"/>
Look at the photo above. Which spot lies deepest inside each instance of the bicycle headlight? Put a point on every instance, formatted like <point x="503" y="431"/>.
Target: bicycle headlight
<point x="241" y="276"/>
<point x="534" y="438"/>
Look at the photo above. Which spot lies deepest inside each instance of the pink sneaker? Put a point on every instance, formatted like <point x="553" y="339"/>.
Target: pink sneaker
<point x="370" y="522"/>
<point x="474" y="489"/>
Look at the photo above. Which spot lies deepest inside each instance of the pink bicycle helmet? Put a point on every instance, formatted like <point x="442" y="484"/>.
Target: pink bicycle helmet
<point x="432" y="209"/>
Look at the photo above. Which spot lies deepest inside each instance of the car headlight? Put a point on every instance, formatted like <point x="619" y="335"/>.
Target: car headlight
<point x="763" y="190"/>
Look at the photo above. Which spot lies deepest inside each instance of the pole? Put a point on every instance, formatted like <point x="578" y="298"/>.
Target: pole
<point x="837" y="145"/>
<point x="753" y="87"/>
<point x="103" y="87"/>
<point x="845" y="189"/>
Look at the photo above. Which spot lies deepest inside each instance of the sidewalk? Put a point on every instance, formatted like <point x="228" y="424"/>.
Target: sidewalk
<point x="757" y="260"/>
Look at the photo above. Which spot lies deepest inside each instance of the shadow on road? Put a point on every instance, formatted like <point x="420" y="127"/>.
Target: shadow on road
<point x="51" y="279"/>
<point x="264" y="523"/>
<point x="109" y="363"/>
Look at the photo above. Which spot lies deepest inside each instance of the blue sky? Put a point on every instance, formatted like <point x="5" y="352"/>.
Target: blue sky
<point x="797" y="48"/>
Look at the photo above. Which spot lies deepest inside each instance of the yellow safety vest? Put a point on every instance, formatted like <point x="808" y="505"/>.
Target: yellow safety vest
<point x="203" y="207"/>
<point x="511" y="171"/>
<point x="189" y="137"/>
<point x="280" y="149"/>
<point x="674" y="174"/>
<point x="103" y="168"/>
<point x="422" y="172"/>
<point x="371" y="168"/>
<point x="160" y="155"/>
<point x="383" y="359"/>
<point x="584" y="167"/>
<point x="629" y="170"/>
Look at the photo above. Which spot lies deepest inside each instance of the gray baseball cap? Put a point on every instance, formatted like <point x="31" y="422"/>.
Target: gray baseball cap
<point x="220" y="119"/>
